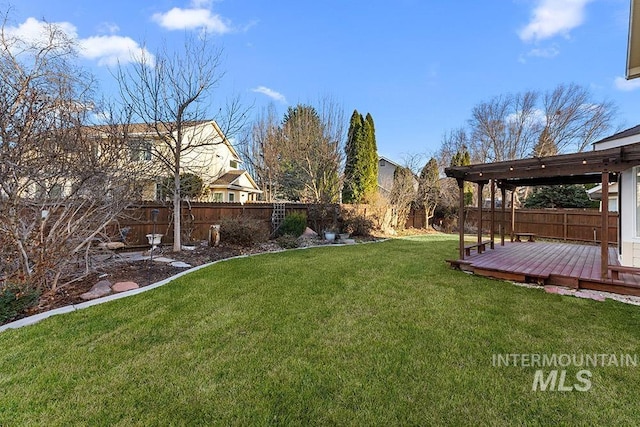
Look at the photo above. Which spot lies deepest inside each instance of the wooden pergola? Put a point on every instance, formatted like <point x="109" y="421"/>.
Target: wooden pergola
<point x="601" y="166"/>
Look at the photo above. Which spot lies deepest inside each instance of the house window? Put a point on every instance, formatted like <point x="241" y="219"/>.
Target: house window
<point x="232" y="197"/>
<point x="233" y="164"/>
<point x="218" y="197"/>
<point x="383" y="163"/>
<point x="139" y="151"/>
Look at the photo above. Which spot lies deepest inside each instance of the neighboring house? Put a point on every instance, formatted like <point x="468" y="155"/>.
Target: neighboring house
<point x="629" y="183"/>
<point x="212" y="158"/>
<point x="386" y="170"/>
<point x="595" y="193"/>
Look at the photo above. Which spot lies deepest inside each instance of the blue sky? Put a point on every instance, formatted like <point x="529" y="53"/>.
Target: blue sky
<point x="418" y="66"/>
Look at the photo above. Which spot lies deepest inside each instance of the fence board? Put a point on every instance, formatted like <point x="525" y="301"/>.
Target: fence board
<point x="565" y="224"/>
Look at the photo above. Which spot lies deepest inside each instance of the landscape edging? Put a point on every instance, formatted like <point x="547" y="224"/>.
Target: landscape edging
<point x="26" y="321"/>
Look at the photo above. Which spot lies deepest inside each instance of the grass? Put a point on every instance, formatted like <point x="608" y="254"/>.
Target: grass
<point x="377" y="334"/>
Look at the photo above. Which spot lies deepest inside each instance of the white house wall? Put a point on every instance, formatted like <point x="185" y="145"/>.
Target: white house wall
<point x="629" y="242"/>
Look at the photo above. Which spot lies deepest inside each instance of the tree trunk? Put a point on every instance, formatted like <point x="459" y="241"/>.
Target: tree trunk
<point x="176" y="211"/>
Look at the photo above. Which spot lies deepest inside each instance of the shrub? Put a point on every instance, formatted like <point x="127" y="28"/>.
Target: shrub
<point x="357" y="225"/>
<point x="294" y="224"/>
<point x="243" y="231"/>
<point x="288" y="241"/>
<point x="14" y="300"/>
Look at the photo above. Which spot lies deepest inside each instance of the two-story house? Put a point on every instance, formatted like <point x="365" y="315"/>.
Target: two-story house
<point x="206" y="153"/>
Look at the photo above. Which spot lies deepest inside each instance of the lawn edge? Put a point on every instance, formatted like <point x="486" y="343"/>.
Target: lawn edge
<point x="26" y="321"/>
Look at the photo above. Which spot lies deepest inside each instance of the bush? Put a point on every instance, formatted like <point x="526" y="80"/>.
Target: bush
<point x="357" y="225"/>
<point x="243" y="231"/>
<point x="14" y="300"/>
<point x="288" y="241"/>
<point x="294" y="224"/>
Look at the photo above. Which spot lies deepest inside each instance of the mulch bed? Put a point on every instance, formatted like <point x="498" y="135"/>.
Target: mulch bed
<point x="143" y="273"/>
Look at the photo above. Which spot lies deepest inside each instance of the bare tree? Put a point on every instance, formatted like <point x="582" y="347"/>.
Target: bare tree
<point x="303" y="157"/>
<point x="170" y="92"/>
<point x="505" y="128"/>
<point x="428" y="194"/>
<point x="60" y="185"/>
<point x="260" y="152"/>
<point x="403" y="194"/>
<point x="573" y="120"/>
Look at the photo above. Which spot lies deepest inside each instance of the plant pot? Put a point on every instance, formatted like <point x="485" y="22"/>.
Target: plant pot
<point x="154" y="240"/>
<point x="330" y="236"/>
<point x="343" y="236"/>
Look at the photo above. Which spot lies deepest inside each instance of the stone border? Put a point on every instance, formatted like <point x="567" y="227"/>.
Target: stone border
<point x="69" y="308"/>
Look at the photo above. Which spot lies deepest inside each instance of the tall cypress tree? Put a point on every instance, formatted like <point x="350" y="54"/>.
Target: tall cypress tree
<point x="371" y="158"/>
<point x="353" y="170"/>
<point x="361" y="167"/>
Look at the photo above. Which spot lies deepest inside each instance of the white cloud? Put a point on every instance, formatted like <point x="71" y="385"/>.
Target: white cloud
<point x="626" y="85"/>
<point x="554" y="17"/>
<point x="548" y="52"/>
<point x="111" y="50"/>
<point x="106" y="50"/>
<point x="33" y="31"/>
<point x="108" y="28"/>
<point x="276" y="96"/>
<point x="196" y="17"/>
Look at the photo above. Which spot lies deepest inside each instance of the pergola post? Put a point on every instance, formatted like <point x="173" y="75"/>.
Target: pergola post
<point x="504" y="214"/>
<point x="513" y="212"/>
<point x="604" y="238"/>
<point x="480" y="187"/>
<point x="461" y="216"/>
<point x="493" y="211"/>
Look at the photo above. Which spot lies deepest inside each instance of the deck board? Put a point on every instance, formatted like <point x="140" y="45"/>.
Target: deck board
<point x="576" y="264"/>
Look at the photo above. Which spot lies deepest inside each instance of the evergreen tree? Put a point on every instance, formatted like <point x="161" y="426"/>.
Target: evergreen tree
<point x="361" y="166"/>
<point x="354" y="167"/>
<point x="463" y="158"/>
<point x="559" y="196"/>
<point x="372" y="158"/>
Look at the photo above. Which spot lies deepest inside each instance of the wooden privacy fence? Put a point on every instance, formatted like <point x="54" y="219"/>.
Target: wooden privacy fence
<point x="565" y="224"/>
<point x="196" y="219"/>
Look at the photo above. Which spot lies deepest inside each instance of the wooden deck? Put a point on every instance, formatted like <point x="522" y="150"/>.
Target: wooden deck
<point x="562" y="264"/>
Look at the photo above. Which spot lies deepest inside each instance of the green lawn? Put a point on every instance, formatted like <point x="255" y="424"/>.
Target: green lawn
<point x="375" y="334"/>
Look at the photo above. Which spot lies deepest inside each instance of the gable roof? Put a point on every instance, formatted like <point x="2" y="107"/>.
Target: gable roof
<point x="230" y="181"/>
<point x="624" y="134"/>
<point x="386" y="159"/>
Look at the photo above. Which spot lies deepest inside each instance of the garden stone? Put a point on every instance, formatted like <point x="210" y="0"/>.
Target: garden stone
<point x="180" y="264"/>
<point x="309" y="233"/>
<point x="100" y="289"/>
<point x="124" y="286"/>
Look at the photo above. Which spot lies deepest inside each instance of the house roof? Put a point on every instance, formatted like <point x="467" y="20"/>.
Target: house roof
<point x="229" y="177"/>
<point x="230" y="181"/>
<point x="624" y="134"/>
<point x="389" y="161"/>
<point x="576" y="168"/>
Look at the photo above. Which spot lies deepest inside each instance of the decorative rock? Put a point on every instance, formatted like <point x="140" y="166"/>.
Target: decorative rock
<point x="589" y="295"/>
<point x="180" y="264"/>
<point x="309" y="233"/>
<point x="112" y="245"/>
<point x="349" y="241"/>
<point x="163" y="259"/>
<point x="100" y="289"/>
<point x="124" y="286"/>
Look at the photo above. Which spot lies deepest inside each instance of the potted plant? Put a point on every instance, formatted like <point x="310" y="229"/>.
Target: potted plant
<point x="330" y="235"/>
